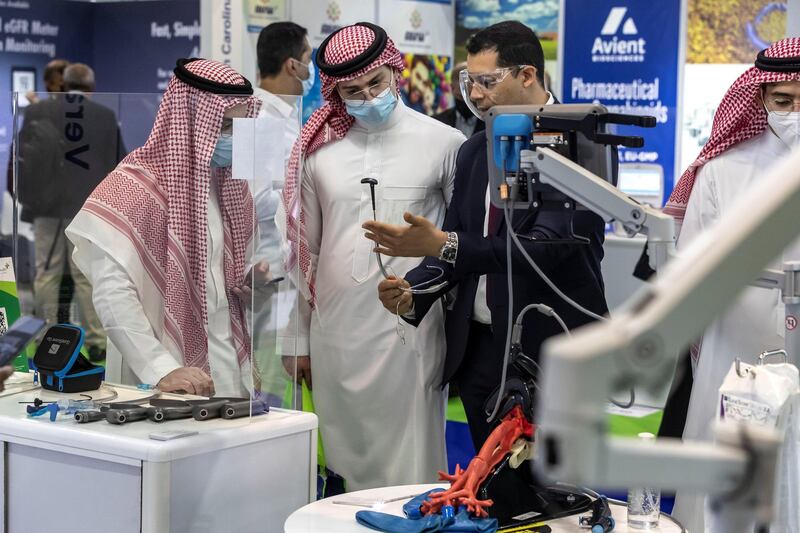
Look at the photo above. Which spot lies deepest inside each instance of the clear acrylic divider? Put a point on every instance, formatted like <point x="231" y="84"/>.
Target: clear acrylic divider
<point x="262" y="154"/>
<point x="64" y="145"/>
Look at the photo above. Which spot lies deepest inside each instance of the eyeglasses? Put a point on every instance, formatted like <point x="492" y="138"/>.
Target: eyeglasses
<point x="374" y="90"/>
<point x="487" y="81"/>
<point x="781" y="104"/>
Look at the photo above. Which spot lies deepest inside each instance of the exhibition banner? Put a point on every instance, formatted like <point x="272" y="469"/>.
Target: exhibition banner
<point x="323" y="17"/>
<point x="136" y="43"/>
<point x="420" y="27"/>
<point x="627" y="55"/>
<point x="257" y="15"/>
<point x="423" y="31"/>
<point x="224" y="24"/>
<point x="32" y="33"/>
<point x="732" y="31"/>
<point x="539" y="15"/>
<point x="260" y="13"/>
<point x="723" y="38"/>
<point x="9" y="308"/>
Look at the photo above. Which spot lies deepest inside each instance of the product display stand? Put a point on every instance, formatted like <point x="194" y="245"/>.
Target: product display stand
<point x="233" y="475"/>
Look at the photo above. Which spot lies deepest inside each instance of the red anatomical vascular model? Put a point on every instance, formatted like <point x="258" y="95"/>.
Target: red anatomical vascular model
<point x="464" y="484"/>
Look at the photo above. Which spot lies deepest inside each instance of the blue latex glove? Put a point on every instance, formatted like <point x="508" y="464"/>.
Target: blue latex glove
<point x="462" y="523"/>
<point x="397" y="524"/>
<point x="417" y="523"/>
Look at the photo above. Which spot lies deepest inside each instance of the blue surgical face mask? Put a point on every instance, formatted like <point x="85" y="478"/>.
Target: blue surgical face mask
<point x="223" y="152"/>
<point x="376" y="111"/>
<point x="308" y="83"/>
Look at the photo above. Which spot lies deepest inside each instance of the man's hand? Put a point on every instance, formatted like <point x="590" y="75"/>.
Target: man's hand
<point x="390" y="295"/>
<point x="5" y="373"/>
<point x="188" y="379"/>
<point x="303" y="368"/>
<point x="257" y="278"/>
<point x="418" y="239"/>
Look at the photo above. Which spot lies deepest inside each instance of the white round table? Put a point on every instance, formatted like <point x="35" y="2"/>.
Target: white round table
<point x="338" y="513"/>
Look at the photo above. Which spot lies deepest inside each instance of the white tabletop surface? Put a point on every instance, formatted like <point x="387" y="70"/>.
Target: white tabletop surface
<point x="132" y="441"/>
<point x="325" y="516"/>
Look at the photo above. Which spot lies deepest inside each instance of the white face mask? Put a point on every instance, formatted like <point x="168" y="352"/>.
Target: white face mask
<point x="786" y="127"/>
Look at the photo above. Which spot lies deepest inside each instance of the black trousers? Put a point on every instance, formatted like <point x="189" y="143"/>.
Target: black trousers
<point x="477" y="377"/>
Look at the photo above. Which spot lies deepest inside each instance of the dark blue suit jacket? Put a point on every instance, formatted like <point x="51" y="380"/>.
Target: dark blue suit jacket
<point x="574" y="268"/>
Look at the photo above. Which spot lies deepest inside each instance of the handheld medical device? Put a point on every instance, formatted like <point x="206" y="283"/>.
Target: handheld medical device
<point x="21" y="332"/>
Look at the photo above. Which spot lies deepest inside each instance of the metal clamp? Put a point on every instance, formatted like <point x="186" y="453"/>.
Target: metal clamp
<point x="772" y="353"/>
<point x="742" y="373"/>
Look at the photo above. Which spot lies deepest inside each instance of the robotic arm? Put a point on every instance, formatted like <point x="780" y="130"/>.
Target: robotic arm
<point x="561" y="156"/>
<point x="604" y="199"/>
<point x="639" y="344"/>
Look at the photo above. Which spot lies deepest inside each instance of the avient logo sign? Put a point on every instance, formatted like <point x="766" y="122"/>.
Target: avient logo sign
<point x="618" y="41"/>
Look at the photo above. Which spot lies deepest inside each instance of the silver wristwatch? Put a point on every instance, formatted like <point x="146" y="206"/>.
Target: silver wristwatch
<point x="449" y="249"/>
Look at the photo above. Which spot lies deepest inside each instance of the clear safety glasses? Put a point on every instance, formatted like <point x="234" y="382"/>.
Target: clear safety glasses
<point x="485" y="83"/>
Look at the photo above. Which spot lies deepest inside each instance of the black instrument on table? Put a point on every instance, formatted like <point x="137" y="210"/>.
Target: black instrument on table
<point x="243" y="408"/>
<point x="162" y="414"/>
<point x="123" y="416"/>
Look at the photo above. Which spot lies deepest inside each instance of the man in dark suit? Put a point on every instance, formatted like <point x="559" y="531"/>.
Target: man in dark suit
<point x="68" y="144"/>
<point x="506" y="66"/>
<point x="460" y="117"/>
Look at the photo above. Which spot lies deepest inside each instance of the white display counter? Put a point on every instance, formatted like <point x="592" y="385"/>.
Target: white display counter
<point x="235" y="475"/>
<point x="325" y="516"/>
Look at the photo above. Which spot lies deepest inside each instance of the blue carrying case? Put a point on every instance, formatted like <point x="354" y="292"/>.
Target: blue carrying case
<point x="59" y="364"/>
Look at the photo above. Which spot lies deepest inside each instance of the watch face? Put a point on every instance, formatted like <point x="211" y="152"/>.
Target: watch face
<point x="449" y="253"/>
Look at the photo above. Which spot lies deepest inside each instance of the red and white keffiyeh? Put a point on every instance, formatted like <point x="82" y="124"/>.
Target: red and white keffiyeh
<point x="157" y="199"/>
<point x="327" y="124"/>
<point x="739" y="117"/>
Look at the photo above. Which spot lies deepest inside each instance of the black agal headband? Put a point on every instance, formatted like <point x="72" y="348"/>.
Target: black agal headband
<point x="183" y="74"/>
<point x="777" y="64"/>
<point x="363" y="60"/>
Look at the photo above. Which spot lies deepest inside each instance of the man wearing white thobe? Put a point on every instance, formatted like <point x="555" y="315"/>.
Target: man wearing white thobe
<point x="376" y="388"/>
<point x="755" y="126"/>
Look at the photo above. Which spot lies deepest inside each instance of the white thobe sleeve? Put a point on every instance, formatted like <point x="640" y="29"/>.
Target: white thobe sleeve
<point x="703" y="208"/>
<point x="117" y="303"/>
<point x="294" y="339"/>
<point x="448" y="175"/>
